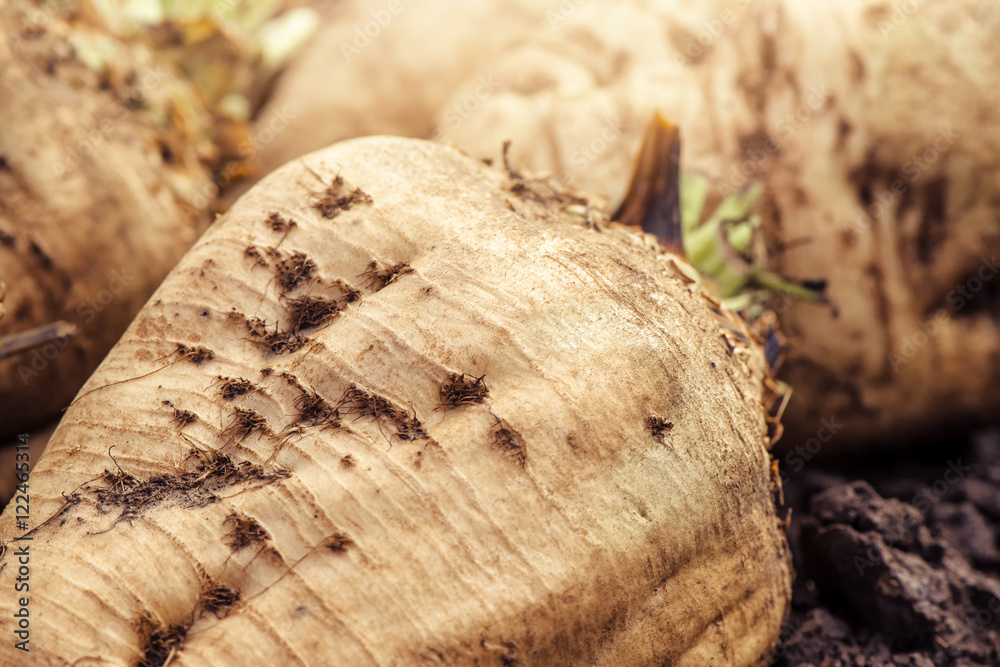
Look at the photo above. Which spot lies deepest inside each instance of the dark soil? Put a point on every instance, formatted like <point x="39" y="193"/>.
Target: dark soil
<point x="897" y="559"/>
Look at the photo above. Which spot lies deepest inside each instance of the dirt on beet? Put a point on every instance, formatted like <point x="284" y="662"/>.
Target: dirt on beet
<point x="897" y="559"/>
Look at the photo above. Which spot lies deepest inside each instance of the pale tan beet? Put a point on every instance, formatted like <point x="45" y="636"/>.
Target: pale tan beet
<point x="92" y="215"/>
<point x="386" y="68"/>
<point x="387" y="516"/>
<point x="874" y="128"/>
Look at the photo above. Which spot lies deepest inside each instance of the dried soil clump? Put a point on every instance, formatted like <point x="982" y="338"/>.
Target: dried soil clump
<point x="245" y="532"/>
<point x="162" y="645"/>
<point x="219" y="601"/>
<point x="314" y="410"/>
<point x="463" y="389"/>
<point x="192" y="489"/>
<point x="507" y="440"/>
<point x="196" y="355"/>
<point x="361" y="403"/>
<point x="659" y="426"/>
<point x="309" y="312"/>
<point x="336" y="198"/>
<point x="293" y="271"/>
<point x="234" y="387"/>
<point x="245" y="423"/>
<point x="377" y="277"/>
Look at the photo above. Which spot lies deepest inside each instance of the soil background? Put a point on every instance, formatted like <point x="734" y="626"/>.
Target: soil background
<point x="896" y="558"/>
